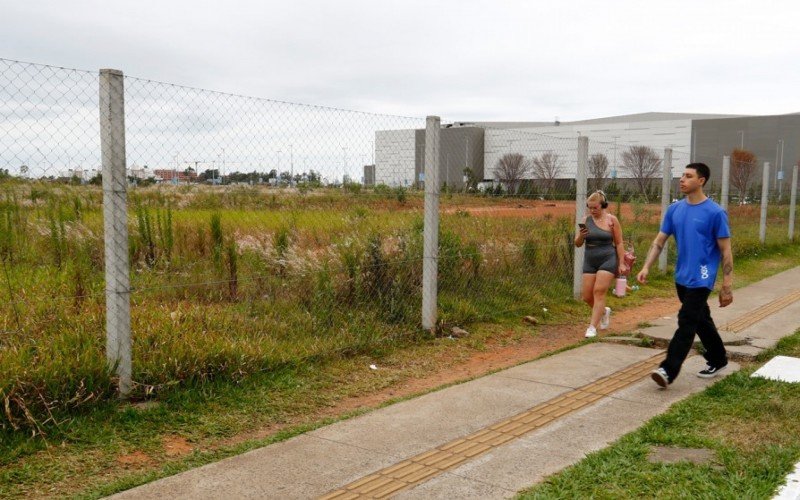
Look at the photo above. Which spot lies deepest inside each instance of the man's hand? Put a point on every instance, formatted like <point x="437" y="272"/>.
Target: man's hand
<point x="725" y="296"/>
<point x="642" y="276"/>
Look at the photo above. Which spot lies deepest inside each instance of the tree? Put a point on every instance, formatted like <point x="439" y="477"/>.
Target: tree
<point x="24" y="170"/>
<point x="743" y="164"/>
<point x="547" y="167"/>
<point x="471" y="183"/>
<point x="510" y="169"/>
<point x="598" y="170"/>
<point x="642" y="163"/>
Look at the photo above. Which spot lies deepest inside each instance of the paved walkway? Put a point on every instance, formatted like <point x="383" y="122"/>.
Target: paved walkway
<point x="493" y="436"/>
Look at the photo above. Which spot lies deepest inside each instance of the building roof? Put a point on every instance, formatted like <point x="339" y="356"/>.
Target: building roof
<point x="652" y="116"/>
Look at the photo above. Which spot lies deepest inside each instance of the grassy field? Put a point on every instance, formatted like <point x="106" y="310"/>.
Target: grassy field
<point x="232" y="282"/>
<point x="750" y="425"/>
<point x="324" y="281"/>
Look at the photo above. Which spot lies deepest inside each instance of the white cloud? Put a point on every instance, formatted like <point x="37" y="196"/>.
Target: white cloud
<point x="462" y="59"/>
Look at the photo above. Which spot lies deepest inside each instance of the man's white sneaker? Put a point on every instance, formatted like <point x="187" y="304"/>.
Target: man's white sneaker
<point x="660" y="377"/>
<point x="606" y="319"/>
<point x="591" y="332"/>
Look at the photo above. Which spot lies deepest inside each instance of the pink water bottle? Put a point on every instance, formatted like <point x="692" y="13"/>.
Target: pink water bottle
<point x="621" y="286"/>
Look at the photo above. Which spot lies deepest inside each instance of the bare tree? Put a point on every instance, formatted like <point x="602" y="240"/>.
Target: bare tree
<point x="510" y="170"/>
<point x="743" y="164"/>
<point x="643" y="164"/>
<point x="547" y="167"/>
<point x="598" y="170"/>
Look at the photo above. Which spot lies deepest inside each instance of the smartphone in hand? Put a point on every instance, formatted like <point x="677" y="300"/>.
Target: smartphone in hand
<point x="582" y="225"/>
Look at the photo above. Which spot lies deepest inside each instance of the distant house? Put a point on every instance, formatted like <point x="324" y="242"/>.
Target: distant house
<point x="140" y="173"/>
<point x="175" y="176"/>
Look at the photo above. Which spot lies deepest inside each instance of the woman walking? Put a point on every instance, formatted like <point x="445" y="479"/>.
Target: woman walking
<point x="603" y="259"/>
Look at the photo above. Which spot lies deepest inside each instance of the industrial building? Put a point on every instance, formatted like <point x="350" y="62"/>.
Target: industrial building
<point x="399" y="155"/>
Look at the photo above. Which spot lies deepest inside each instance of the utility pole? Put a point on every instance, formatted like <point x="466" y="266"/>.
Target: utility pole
<point x="779" y="170"/>
<point x="344" y="163"/>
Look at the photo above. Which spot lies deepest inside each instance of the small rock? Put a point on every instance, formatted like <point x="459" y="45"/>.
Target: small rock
<point x="458" y="332"/>
<point x="373" y="367"/>
<point x="530" y="319"/>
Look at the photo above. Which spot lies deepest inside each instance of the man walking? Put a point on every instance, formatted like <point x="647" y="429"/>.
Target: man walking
<point x="703" y="238"/>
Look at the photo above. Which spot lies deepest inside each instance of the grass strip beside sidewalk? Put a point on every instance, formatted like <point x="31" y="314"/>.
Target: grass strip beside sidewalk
<point x="750" y="424"/>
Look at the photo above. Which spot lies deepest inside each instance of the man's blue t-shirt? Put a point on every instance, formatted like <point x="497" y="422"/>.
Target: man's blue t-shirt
<point x="696" y="229"/>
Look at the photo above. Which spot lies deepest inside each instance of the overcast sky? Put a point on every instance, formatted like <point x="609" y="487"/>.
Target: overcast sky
<point x="462" y="60"/>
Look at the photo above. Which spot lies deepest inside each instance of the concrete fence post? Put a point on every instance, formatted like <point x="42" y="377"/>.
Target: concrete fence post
<point x="115" y="224"/>
<point x="580" y="211"/>
<point x="666" y="195"/>
<point x="793" y="202"/>
<point x="762" y="228"/>
<point x="430" y="264"/>
<point x="726" y="182"/>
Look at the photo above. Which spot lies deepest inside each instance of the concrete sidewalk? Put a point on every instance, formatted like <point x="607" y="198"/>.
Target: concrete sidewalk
<point x="490" y="437"/>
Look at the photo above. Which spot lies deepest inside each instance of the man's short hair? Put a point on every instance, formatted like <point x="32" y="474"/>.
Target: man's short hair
<point x="702" y="171"/>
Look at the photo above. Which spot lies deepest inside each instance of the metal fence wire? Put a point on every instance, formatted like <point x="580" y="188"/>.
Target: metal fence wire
<point x="153" y="235"/>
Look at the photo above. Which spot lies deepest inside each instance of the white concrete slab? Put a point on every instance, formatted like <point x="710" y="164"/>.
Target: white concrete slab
<point x="791" y="489"/>
<point x="781" y="368"/>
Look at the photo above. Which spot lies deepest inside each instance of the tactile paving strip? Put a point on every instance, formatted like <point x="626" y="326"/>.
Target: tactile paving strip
<point x="753" y="317"/>
<point x="420" y="468"/>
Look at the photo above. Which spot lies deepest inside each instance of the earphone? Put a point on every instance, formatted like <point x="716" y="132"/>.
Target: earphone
<point x="603" y="203"/>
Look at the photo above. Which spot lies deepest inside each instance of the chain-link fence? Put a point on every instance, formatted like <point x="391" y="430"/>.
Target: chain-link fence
<point x="193" y="235"/>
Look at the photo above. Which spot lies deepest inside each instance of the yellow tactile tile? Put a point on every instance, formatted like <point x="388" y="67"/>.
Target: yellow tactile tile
<point x="376" y="483"/>
<point x="403" y="469"/>
<point x="388" y="489"/>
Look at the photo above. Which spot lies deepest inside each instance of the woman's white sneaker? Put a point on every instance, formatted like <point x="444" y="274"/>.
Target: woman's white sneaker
<point x="606" y="319"/>
<point x="591" y="332"/>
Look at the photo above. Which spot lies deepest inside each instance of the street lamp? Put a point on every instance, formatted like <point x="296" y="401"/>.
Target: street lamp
<point x="741" y="142"/>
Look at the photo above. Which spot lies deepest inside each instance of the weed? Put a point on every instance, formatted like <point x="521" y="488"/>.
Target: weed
<point x="217" y="238"/>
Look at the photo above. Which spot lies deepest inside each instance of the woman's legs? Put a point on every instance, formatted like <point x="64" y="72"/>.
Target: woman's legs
<point x="587" y="288"/>
<point x="601" y="284"/>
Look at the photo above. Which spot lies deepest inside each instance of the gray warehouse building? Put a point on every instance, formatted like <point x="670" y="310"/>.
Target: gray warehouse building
<point x="400" y="154"/>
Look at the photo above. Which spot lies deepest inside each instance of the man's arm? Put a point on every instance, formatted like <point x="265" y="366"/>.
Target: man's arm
<point x="652" y="255"/>
<point x="726" y="292"/>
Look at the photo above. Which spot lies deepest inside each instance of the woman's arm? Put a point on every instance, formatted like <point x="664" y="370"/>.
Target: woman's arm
<point x="619" y="244"/>
<point x="581" y="235"/>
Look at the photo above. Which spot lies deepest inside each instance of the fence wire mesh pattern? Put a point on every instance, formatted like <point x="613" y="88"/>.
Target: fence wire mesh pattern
<point x="212" y="235"/>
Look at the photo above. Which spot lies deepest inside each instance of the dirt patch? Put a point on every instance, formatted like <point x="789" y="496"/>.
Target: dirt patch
<point x="176" y="446"/>
<point x="135" y="459"/>
<point x="673" y="455"/>
<point x="539" y="209"/>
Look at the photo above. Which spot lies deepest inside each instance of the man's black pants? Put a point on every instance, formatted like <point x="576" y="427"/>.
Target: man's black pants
<point x="694" y="317"/>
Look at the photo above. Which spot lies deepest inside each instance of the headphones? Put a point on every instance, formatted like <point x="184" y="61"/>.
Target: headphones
<point x="604" y="202"/>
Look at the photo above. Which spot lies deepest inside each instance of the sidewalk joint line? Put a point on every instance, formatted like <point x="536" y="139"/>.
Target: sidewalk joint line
<point x="445" y="457"/>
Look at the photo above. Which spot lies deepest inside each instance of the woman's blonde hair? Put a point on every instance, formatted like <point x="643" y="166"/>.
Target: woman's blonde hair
<point x="599" y="197"/>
